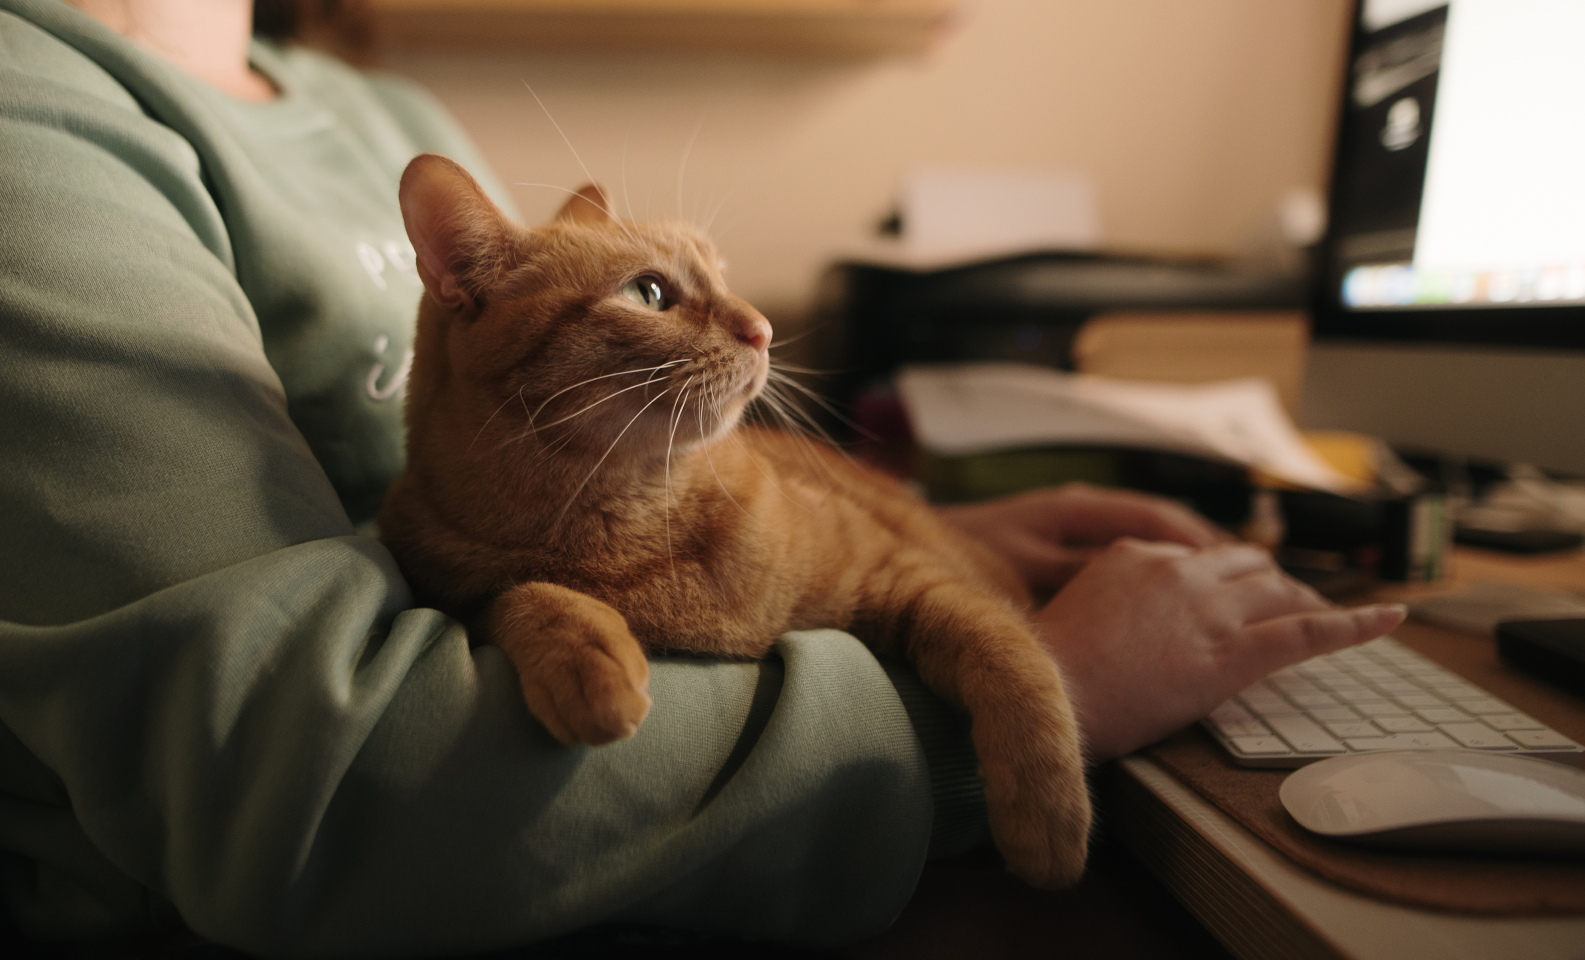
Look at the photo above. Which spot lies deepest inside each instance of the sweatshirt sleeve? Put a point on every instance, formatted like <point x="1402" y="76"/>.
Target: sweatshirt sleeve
<point x="217" y="699"/>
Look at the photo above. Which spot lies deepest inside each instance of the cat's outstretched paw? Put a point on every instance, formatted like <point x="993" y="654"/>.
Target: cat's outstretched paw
<point x="583" y="674"/>
<point x="1038" y="801"/>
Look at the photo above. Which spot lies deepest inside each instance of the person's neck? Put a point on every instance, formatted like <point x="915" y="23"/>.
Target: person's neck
<point x="206" y="38"/>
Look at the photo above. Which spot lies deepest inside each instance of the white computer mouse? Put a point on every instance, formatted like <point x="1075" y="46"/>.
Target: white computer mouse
<point x="1443" y="800"/>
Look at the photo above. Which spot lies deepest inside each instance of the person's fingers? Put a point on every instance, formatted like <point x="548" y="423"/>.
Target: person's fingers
<point x="1097" y="516"/>
<point x="1043" y="564"/>
<point x="1300" y="636"/>
<point x="1269" y="593"/>
<point x="1229" y="561"/>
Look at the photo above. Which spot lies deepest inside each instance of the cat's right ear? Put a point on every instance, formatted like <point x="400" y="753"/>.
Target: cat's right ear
<point x="457" y="232"/>
<point x="589" y="205"/>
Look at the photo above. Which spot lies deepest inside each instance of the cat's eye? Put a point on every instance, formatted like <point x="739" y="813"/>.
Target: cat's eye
<point x="645" y="291"/>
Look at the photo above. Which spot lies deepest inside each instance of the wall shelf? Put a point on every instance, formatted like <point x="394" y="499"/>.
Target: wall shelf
<point x="803" y="28"/>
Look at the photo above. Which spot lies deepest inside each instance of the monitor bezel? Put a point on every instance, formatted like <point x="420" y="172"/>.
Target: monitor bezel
<point x="1559" y="326"/>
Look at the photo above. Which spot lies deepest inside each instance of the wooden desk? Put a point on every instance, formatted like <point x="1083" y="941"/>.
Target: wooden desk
<point x="1262" y="905"/>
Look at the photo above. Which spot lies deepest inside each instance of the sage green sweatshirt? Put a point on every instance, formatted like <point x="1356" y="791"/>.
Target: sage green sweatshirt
<point x="218" y="702"/>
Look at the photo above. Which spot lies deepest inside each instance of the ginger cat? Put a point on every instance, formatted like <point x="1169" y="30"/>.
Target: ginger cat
<point x="578" y="489"/>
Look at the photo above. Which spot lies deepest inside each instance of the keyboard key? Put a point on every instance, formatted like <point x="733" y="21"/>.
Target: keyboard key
<point x="1331" y="714"/>
<point x="1281" y="708"/>
<point x="1542" y="739"/>
<point x="1241" y="728"/>
<point x="1483" y="706"/>
<point x="1356" y="694"/>
<point x="1396" y="687"/>
<point x="1261" y="695"/>
<point x="1304" y="735"/>
<point x="1441" y="715"/>
<point x="1380" y="708"/>
<point x="1359" y="729"/>
<point x="1403" y="741"/>
<point x="1511" y="721"/>
<point x="1231" y="712"/>
<point x="1290" y="687"/>
<point x="1315" y="669"/>
<point x="1420" y="700"/>
<point x="1260" y="746"/>
<point x="1313" y="699"/>
<point x="1477" y="736"/>
<point x="1458" y="690"/>
<point x="1403" y="725"/>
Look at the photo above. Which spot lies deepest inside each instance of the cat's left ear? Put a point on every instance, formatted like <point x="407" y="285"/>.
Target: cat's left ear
<point x="589" y="205"/>
<point x="459" y="234"/>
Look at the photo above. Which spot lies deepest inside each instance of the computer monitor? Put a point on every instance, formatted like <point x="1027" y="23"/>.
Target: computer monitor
<point x="1450" y="301"/>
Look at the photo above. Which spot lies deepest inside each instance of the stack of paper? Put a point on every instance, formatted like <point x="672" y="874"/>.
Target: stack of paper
<point x="963" y="409"/>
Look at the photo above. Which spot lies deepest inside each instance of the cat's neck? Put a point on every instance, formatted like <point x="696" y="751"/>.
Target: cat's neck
<point x="558" y="500"/>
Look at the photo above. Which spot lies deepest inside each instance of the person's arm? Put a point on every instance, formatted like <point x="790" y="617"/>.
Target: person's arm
<point x="215" y="690"/>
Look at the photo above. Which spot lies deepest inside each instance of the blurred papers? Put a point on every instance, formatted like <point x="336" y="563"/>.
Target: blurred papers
<point x="963" y="409"/>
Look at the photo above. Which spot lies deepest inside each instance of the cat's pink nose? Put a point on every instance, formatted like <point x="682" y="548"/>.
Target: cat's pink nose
<point x="755" y="331"/>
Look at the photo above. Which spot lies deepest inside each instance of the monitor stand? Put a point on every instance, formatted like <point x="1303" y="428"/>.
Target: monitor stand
<point x="1483" y="403"/>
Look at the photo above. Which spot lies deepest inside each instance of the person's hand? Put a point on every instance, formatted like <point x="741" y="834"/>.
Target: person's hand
<point x="1153" y="636"/>
<point x="1049" y="534"/>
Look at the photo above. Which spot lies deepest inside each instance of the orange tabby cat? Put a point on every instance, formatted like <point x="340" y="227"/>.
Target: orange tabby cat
<point x="578" y="488"/>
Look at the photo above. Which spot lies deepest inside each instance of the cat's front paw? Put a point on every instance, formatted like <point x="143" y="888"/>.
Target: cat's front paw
<point x="583" y="673"/>
<point x="1037" y="799"/>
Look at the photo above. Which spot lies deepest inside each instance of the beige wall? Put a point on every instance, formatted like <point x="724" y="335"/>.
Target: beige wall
<point x="1191" y="116"/>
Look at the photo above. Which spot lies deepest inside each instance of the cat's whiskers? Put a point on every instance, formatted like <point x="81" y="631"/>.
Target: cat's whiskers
<point x="677" y="410"/>
<point x="550" y="450"/>
<point x="779" y="405"/>
<point x="561" y="443"/>
<point x="565" y="139"/>
<point x="610" y="396"/>
<point x="704" y="447"/>
<point x="779" y="376"/>
<point x="627" y="198"/>
<point x="682" y="165"/>
<point x="720" y="423"/>
<point x="721" y="205"/>
<point x="793" y="416"/>
<point x="518" y="396"/>
<point x="794" y="339"/>
<point x="603" y="376"/>
<point x="782" y="366"/>
<point x="611" y="214"/>
<point x="579" y="489"/>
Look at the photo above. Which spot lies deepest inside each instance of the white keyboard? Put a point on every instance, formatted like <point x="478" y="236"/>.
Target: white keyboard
<point x="1377" y="696"/>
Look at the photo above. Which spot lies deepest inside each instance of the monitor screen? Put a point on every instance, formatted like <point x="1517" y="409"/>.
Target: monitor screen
<point x="1458" y="192"/>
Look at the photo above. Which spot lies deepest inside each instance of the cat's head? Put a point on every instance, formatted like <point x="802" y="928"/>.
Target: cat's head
<point x="574" y="334"/>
